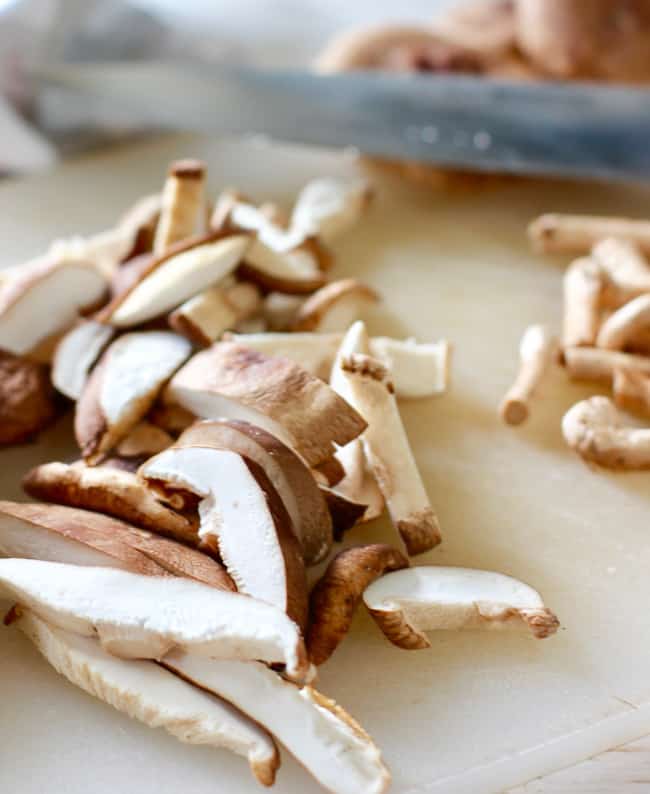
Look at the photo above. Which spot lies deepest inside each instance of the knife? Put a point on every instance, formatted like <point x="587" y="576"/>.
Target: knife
<point x="579" y="130"/>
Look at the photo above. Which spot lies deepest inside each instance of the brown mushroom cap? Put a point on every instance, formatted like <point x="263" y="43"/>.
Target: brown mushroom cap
<point x="27" y="399"/>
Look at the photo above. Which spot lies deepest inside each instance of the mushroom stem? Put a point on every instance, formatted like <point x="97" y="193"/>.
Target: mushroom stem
<point x="335" y="597"/>
<point x="536" y="352"/>
<point x="597" y="365"/>
<point x="576" y="234"/>
<point x="624" y="325"/>
<point x="182" y="202"/>
<point x="584" y="283"/>
<point x="625" y="265"/>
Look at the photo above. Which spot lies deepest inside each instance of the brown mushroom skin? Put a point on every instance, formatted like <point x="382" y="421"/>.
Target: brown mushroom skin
<point x="28" y="402"/>
<point x="336" y="595"/>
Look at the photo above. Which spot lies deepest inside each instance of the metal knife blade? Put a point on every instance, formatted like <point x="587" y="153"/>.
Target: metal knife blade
<point x="563" y="129"/>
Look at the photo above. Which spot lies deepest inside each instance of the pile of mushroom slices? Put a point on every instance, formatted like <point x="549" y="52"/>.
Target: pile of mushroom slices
<point x="166" y="570"/>
<point x="605" y="338"/>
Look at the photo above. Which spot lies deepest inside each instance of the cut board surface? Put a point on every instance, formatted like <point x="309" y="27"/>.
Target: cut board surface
<point x="478" y="712"/>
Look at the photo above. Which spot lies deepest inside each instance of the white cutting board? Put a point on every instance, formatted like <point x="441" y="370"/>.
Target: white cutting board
<point x="478" y="712"/>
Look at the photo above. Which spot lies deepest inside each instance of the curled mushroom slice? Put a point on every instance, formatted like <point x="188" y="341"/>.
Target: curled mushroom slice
<point x="241" y="514"/>
<point x="329" y="207"/>
<point x="359" y="485"/>
<point x="231" y="381"/>
<point x="114" y="492"/>
<point x="183" y="203"/>
<point x="163" y="282"/>
<point x="205" y="317"/>
<point x="555" y="233"/>
<point x="416" y="369"/>
<point x="595" y="364"/>
<point x="29" y="315"/>
<point x="27" y="400"/>
<point x="584" y="286"/>
<point x="313" y="352"/>
<point x="365" y="383"/>
<point x="335" y="597"/>
<point x="335" y="306"/>
<point x="407" y="603"/>
<point x="537" y="350"/>
<point x="149" y="693"/>
<point x="296" y="272"/>
<point x="317" y="732"/>
<point x="136" y="616"/>
<point x="123" y="386"/>
<point x="75" y="355"/>
<point x="597" y="432"/>
<point x="65" y="534"/>
<point x="289" y="476"/>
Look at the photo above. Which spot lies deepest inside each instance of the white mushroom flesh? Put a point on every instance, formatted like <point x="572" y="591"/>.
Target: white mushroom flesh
<point x="75" y="355"/>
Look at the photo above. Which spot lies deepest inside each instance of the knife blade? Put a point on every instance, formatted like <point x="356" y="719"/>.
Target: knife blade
<point x="579" y="130"/>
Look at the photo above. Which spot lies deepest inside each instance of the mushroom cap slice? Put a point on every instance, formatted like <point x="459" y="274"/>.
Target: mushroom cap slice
<point x="176" y="275"/>
<point x="28" y="312"/>
<point x="124" y="385"/>
<point x="149" y="693"/>
<point x="66" y="534"/>
<point x="244" y="517"/>
<point x="289" y="476"/>
<point x="27" y="399"/>
<point x="113" y="491"/>
<point x="359" y="485"/>
<point x="407" y="603"/>
<point x="337" y="593"/>
<point x="296" y="272"/>
<point x="317" y="732"/>
<point x="234" y="382"/>
<point x="343" y="511"/>
<point x="75" y="355"/>
<point x="137" y="616"/>
<point x="335" y="306"/>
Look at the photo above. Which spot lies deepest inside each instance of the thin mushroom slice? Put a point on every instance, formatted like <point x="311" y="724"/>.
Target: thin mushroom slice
<point x="317" y="732"/>
<point x="147" y="692"/>
<point x="240" y="514"/>
<point x="183" y="203"/>
<point x="75" y="355"/>
<point x="329" y="207"/>
<point x="359" y="485"/>
<point x="344" y="513"/>
<point x="163" y="282"/>
<point x="115" y="492"/>
<point x="335" y="597"/>
<point x="205" y="317"/>
<point x="335" y="306"/>
<point x="27" y="400"/>
<point x="136" y="616"/>
<point x="123" y="387"/>
<point x="78" y="537"/>
<point x="598" y="433"/>
<point x="366" y="385"/>
<point x="295" y="272"/>
<point x="292" y="480"/>
<point x="234" y="382"/>
<point x="143" y="440"/>
<point x="28" y="315"/>
<point x="408" y="603"/>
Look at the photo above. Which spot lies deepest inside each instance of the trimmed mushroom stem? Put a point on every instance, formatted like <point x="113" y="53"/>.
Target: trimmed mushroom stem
<point x="335" y="597"/>
<point x="595" y="430"/>
<point x="147" y="692"/>
<point x="584" y="284"/>
<point x="632" y="391"/>
<point x="595" y="364"/>
<point x="182" y="204"/>
<point x="576" y="234"/>
<point x="536" y="352"/>
<point x="622" y="327"/>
